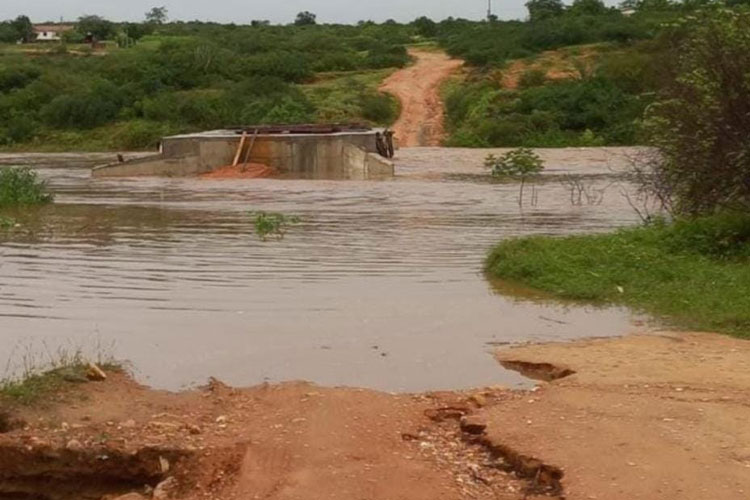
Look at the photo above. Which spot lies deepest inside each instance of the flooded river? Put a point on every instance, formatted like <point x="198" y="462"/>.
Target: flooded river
<point x="380" y="285"/>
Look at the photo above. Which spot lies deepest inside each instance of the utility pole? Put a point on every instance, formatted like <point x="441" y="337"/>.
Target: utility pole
<point x="489" y="10"/>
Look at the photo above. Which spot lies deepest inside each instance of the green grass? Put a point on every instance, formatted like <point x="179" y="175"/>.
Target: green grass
<point x="692" y="274"/>
<point x="37" y="387"/>
<point x="44" y="382"/>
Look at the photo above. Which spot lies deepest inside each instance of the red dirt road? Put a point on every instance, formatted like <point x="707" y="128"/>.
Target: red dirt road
<point x="418" y="89"/>
<point x="653" y="417"/>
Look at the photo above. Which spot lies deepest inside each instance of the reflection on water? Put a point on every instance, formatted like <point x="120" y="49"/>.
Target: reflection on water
<point x="380" y="286"/>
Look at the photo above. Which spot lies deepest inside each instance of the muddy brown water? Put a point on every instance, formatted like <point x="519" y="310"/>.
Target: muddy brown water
<point x="380" y="286"/>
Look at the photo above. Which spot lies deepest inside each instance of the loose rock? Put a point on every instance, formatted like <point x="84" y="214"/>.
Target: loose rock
<point x="473" y="425"/>
<point x="74" y="445"/>
<point x="165" y="489"/>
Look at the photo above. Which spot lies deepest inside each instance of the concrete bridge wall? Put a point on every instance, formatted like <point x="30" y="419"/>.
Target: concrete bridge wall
<point x="346" y="154"/>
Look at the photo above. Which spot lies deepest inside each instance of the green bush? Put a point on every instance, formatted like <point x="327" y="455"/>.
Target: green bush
<point x="289" y="66"/>
<point x="288" y="111"/>
<point x="22" y="186"/>
<point x="378" y="108"/>
<point x="140" y="135"/>
<point x="725" y="235"/>
<point x="521" y="162"/>
<point x="79" y="111"/>
<point x="532" y="78"/>
<point x="273" y="224"/>
<point x="18" y="129"/>
<point x="17" y="77"/>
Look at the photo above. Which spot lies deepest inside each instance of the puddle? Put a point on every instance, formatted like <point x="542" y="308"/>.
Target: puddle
<point x="380" y="286"/>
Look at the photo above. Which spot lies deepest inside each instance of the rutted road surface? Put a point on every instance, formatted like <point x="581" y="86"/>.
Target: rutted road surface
<point x="418" y="89"/>
<point x="661" y="416"/>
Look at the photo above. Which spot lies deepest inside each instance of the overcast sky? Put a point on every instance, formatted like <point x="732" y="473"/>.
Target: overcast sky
<point x="277" y="11"/>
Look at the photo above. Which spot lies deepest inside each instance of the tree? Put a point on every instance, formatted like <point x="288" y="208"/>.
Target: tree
<point x="426" y="27"/>
<point x="99" y="27"/>
<point x="544" y="9"/>
<point x="157" y="15"/>
<point x="24" y="29"/>
<point x="521" y="163"/>
<point x="305" y="19"/>
<point x="135" y="31"/>
<point x="588" y="7"/>
<point x="701" y="122"/>
<point x="8" y="33"/>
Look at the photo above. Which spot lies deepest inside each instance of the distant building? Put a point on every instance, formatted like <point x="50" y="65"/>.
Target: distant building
<point x="51" y="32"/>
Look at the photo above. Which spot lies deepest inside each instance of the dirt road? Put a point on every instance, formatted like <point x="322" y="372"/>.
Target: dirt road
<point x="645" y="416"/>
<point x="660" y="416"/>
<point x="418" y="89"/>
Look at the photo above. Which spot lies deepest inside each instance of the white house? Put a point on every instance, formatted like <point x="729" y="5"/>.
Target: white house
<point x="51" y="32"/>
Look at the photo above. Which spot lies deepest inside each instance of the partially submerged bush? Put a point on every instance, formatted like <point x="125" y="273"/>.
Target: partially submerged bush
<point x="22" y="186"/>
<point x="521" y="163"/>
<point x="273" y="224"/>
<point x="7" y="222"/>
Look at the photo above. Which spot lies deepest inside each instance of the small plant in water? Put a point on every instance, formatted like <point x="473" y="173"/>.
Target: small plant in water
<point x="22" y="186"/>
<point x="7" y="223"/>
<point x="520" y="163"/>
<point x="273" y="224"/>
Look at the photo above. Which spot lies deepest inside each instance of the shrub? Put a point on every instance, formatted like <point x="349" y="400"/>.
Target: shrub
<point x="19" y="129"/>
<point x="378" y="108"/>
<point x="22" y="186"/>
<point x="273" y="224"/>
<point x="140" y="135"/>
<point x="17" y="77"/>
<point x="81" y="110"/>
<point x="289" y="66"/>
<point x="532" y="78"/>
<point x="288" y="111"/>
<point x="84" y="108"/>
<point x="724" y="236"/>
<point x="701" y="122"/>
<point x="521" y="162"/>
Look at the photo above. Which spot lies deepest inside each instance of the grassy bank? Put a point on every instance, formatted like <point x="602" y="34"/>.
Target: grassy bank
<point x="40" y="383"/>
<point x="694" y="274"/>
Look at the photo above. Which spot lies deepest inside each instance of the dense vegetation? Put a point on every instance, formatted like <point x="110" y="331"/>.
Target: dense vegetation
<point x="161" y="78"/>
<point x="592" y="94"/>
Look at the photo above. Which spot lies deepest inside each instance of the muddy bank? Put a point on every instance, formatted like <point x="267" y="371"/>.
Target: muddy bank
<point x="647" y="416"/>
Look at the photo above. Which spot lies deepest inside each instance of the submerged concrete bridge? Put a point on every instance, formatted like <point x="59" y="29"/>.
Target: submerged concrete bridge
<point x="315" y="151"/>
